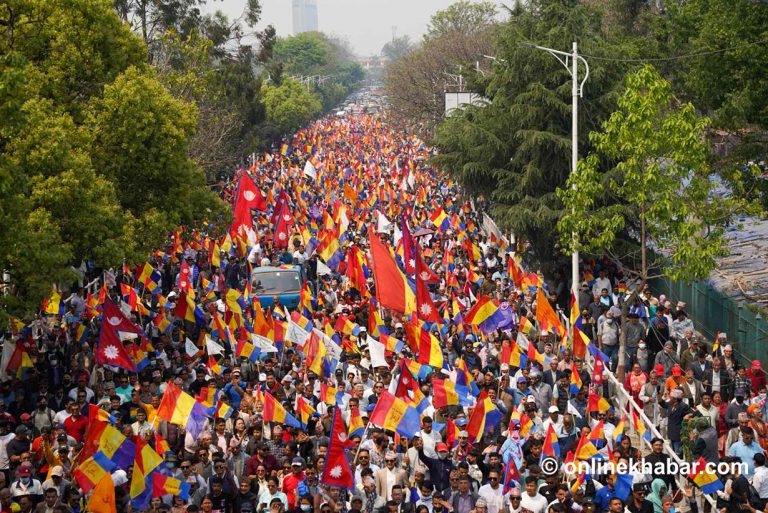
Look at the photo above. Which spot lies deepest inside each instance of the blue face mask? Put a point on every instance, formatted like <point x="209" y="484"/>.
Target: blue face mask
<point x="306" y="507"/>
<point x="672" y="509"/>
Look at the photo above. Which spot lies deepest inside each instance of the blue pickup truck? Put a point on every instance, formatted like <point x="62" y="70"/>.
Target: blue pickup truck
<point x="285" y="282"/>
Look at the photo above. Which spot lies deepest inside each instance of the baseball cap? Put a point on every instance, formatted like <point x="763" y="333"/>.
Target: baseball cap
<point x="57" y="471"/>
<point x="530" y="399"/>
<point x="27" y="416"/>
<point x="553" y="409"/>
<point x="441" y="447"/>
<point x="297" y="462"/>
<point x="25" y="471"/>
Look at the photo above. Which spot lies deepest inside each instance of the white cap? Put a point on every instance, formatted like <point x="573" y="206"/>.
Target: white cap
<point x="553" y="409"/>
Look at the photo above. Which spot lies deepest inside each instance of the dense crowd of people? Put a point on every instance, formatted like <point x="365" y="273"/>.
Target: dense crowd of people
<point x="541" y="399"/>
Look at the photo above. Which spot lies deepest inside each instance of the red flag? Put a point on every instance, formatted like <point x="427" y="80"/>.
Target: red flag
<point x="407" y="384"/>
<point x="425" y="308"/>
<point x="248" y="195"/>
<point x="282" y="227"/>
<point x="597" y="375"/>
<point x="111" y="350"/>
<point x="336" y="471"/>
<point x="390" y="282"/>
<point x="185" y="277"/>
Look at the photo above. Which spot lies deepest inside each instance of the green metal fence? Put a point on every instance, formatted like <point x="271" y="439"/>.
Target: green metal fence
<point x="713" y="312"/>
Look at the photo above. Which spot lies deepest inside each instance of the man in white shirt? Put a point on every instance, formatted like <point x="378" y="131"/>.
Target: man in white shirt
<point x="492" y="492"/>
<point x="602" y="283"/>
<point x="533" y="501"/>
<point x="429" y="437"/>
<point x="760" y="478"/>
<point x="554" y="420"/>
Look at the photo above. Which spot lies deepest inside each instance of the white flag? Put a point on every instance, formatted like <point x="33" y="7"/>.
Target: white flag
<point x="213" y="347"/>
<point x="9" y="348"/>
<point x="383" y="224"/>
<point x="322" y="269"/>
<point x="377" y="353"/>
<point x="310" y="170"/>
<point x="263" y="343"/>
<point x="191" y="348"/>
<point x="296" y="334"/>
<point x="490" y="228"/>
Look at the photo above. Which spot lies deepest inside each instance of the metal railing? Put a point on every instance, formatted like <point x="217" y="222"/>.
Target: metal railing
<point x="625" y="403"/>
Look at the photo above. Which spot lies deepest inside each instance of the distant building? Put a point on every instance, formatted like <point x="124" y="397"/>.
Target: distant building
<point x="304" y="16"/>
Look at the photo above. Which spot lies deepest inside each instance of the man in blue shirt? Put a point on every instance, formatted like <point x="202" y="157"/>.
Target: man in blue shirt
<point x="605" y="494"/>
<point x="746" y="450"/>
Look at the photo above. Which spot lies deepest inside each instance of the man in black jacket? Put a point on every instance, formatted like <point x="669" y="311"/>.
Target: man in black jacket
<point x="717" y="379"/>
<point x="637" y="502"/>
<point x="658" y="458"/>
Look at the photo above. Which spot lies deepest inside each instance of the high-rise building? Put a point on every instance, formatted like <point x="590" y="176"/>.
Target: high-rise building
<point x="304" y="16"/>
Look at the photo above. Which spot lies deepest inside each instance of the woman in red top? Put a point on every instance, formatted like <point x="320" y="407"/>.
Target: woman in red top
<point x="757" y="376"/>
<point x="635" y="381"/>
<point x="722" y="428"/>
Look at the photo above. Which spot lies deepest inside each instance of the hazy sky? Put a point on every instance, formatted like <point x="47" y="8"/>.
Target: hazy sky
<point x="366" y="24"/>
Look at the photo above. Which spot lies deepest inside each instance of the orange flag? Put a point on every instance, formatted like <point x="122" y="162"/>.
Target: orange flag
<point x="546" y="315"/>
<point x="390" y="282"/>
<point x="103" y="498"/>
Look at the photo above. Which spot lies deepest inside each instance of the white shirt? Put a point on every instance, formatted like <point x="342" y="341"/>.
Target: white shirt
<point x="536" y="504"/>
<point x="760" y="481"/>
<point x="494" y="497"/>
<point x="600" y="284"/>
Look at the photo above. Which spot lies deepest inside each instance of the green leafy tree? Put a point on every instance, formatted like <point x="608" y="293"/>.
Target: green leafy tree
<point x="69" y="191"/>
<point x="656" y="189"/>
<point x="317" y="55"/>
<point x="152" y="130"/>
<point x="516" y="150"/>
<point x="463" y="17"/>
<point x="289" y="105"/>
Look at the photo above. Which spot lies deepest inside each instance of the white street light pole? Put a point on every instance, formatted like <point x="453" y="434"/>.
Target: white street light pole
<point x="571" y="63"/>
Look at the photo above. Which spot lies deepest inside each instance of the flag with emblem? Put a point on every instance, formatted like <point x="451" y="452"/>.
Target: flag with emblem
<point x="425" y="307"/>
<point x="337" y="472"/>
<point x="115" y="328"/>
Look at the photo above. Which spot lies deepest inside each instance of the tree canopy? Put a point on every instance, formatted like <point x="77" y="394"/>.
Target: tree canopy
<point x="93" y="163"/>
<point x="656" y="185"/>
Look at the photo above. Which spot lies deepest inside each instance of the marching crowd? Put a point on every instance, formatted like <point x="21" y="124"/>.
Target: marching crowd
<point x="540" y="396"/>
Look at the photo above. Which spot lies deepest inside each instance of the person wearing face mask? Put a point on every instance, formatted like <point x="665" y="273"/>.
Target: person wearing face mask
<point x="736" y="407"/>
<point x="439" y="468"/>
<point x="608" y="338"/>
<point x="27" y="485"/>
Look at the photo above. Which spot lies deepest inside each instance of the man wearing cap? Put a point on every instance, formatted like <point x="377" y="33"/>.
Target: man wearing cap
<point x="677" y="412"/>
<point x="292" y="480"/>
<point x="667" y="358"/>
<point x="18" y="445"/>
<point x="389" y="476"/>
<point x="439" y="468"/>
<point x="57" y="481"/>
<point x="734" y="408"/>
<point x="513" y="502"/>
<point x="27" y="485"/>
<point x="554" y="419"/>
